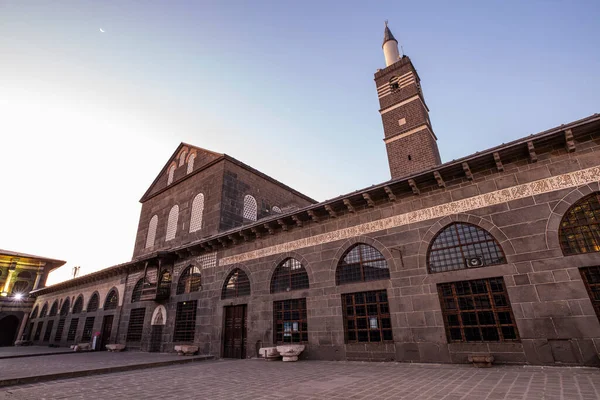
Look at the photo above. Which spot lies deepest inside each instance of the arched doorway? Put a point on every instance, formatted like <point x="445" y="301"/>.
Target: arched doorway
<point x="8" y="330"/>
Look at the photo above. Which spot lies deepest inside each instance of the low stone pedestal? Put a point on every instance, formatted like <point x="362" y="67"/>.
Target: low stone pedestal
<point x="82" y="347"/>
<point x="115" y="347"/>
<point x="23" y="343"/>
<point x="481" y="360"/>
<point x="290" y="352"/>
<point x="269" y="353"/>
<point x="186" y="350"/>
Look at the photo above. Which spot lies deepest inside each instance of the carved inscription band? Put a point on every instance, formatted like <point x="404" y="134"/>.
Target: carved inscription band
<point x="565" y="181"/>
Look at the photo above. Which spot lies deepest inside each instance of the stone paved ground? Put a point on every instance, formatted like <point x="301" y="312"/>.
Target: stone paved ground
<point x="24" y="351"/>
<point x="257" y="379"/>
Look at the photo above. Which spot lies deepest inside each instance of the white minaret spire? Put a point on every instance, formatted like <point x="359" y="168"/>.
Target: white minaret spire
<point x="390" y="47"/>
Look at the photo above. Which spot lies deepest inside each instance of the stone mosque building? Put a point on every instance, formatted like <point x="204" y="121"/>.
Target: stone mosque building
<point x="495" y="253"/>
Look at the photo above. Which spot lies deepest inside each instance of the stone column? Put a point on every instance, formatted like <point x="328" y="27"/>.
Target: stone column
<point x="38" y="277"/>
<point x="23" y="326"/>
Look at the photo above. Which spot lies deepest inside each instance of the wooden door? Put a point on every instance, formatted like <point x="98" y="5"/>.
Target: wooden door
<point x="155" y="338"/>
<point x="107" y="323"/>
<point x="234" y="333"/>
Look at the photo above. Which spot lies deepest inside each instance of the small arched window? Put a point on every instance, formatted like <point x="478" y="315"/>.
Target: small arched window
<point x="237" y="284"/>
<point x="579" y="230"/>
<point x="112" y="300"/>
<point x="190" y="280"/>
<point x="190" y="163"/>
<point x="94" y="303"/>
<point x="54" y="309"/>
<point x="461" y="245"/>
<point x="20" y="287"/>
<point x="78" y="306"/>
<point x="250" y="208"/>
<point x="197" y="211"/>
<point x="361" y="263"/>
<point x="182" y="157"/>
<point x="171" y="174"/>
<point x="136" y="295"/>
<point x="44" y="311"/>
<point x="34" y="313"/>
<point x="172" y="223"/>
<point x="276" y="210"/>
<point x="64" y="310"/>
<point x="151" y="231"/>
<point x="289" y="275"/>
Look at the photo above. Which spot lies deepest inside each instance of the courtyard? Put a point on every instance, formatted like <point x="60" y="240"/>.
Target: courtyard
<point x="258" y="379"/>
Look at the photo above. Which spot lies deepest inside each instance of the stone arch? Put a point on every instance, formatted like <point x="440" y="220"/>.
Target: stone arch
<point x="159" y="316"/>
<point x="107" y="298"/>
<point x="78" y="305"/>
<point x="289" y="277"/>
<point x="9" y="325"/>
<point x="34" y="313"/>
<point x="441" y="223"/>
<point x="44" y="311"/>
<point x="366" y="240"/>
<point x="290" y="254"/>
<point x="226" y="277"/>
<point x="53" y="309"/>
<point x="87" y="308"/>
<point x="171" y="173"/>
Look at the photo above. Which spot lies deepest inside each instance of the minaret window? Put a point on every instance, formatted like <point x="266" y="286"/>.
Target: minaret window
<point x="197" y="211"/>
<point x="190" y="163"/>
<point x="172" y="223"/>
<point x="250" y="208"/>
<point x="151" y="231"/>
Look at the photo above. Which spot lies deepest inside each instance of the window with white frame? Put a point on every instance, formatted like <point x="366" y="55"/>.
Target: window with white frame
<point x="151" y="231"/>
<point x="250" y="208"/>
<point x="197" y="211"/>
<point x="172" y="222"/>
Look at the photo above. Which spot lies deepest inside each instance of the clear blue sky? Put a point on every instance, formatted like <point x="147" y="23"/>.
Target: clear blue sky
<point x="90" y="118"/>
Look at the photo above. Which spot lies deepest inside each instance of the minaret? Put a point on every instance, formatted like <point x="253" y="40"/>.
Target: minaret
<point x="410" y="142"/>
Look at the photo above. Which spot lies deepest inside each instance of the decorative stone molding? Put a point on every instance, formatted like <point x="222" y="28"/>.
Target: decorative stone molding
<point x="159" y="316"/>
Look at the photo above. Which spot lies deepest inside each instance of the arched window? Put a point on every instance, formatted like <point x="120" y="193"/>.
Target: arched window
<point x="289" y="275"/>
<point x="64" y="310"/>
<point x="237" y="284"/>
<point x="171" y="174"/>
<point x="112" y="300"/>
<point x="54" y="309"/>
<point x="34" y="313"/>
<point x="172" y="223"/>
<point x="24" y="275"/>
<point x="461" y="245"/>
<point x="20" y="287"/>
<point x="44" y="311"/>
<point x="136" y="295"/>
<point x="94" y="303"/>
<point x="190" y="163"/>
<point x="190" y="280"/>
<point x="361" y="263"/>
<point x="276" y="210"/>
<point x="151" y="231"/>
<point x="78" y="306"/>
<point x="182" y="157"/>
<point x="197" y="211"/>
<point x="579" y="230"/>
<point x="250" y="208"/>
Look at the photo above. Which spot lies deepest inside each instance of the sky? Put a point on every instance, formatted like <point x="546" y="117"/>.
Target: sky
<point x="89" y="118"/>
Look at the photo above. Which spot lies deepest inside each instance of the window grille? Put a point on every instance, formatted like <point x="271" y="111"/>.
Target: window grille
<point x="59" y="330"/>
<point x="78" y="306"/>
<point x="34" y="313"/>
<point x="289" y="318"/>
<point x="112" y="300"/>
<point x="44" y="311"/>
<point x="171" y="174"/>
<point x="38" y="331"/>
<point x="87" y="329"/>
<point x="54" y="309"/>
<point x="190" y="163"/>
<point x="48" y="330"/>
<point x="197" y="211"/>
<point x="461" y="245"/>
<point x="64" y="310"/>
<point x="237" y="284"/>
<point x="289" y="275"/>
<point x="72" y="329"/>
<point x="591" y="278"/>
<point x="250" y="208"/>
<point x="185" y="321"/>
<point x="182" y="158"/>
<point x="579" y="230"/>
<point x="94" y="303"/>
<point x="190" y="280"/>
<point x="367" y="317"/>
<point x="361" y="263"/>
<point x="477" y="311"/>
<point x="136" y="325"/>
<point x="151" y="231"/>
<point x="276" y="210"/>
<point x="136" y="294"/>
<point x="172" y="222"/>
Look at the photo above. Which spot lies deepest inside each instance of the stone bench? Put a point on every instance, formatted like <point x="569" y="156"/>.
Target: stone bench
<point x="269" y="353"/>
<point x="481" y="360"/>
<point x="186" y="350"/>
<point x="115" y="347"/>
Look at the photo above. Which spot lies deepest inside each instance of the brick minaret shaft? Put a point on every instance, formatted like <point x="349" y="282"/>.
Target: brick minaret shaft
<point x="409" y="139"/>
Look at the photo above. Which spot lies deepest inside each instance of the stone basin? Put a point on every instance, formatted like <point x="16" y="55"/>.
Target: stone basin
<point x="115" y="347"/>
<point x="290" y="352"/>
<point x="269" y="353"/>
<point x="186" y="350"/>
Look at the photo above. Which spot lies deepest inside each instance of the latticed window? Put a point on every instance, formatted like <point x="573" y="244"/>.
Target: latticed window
<point x="54" y="309"/>
<point x="289" y="318"/>
<point x="250" y="208"/>
<point x="44" y="311"/>
<point x="591" y="278"/>
<point x="289" y="275"/>
<point x="136" y="295"/>
<point x="112" y="300"/>
<point x="361" y="263"/>
<point x="151" y="231"/>
<point x="190" y="163"/>
<point x="78" y="306"/>
<point x="276" y="210"/>
<point x="197" y="211"/>
<point x="48" y="330"/>
<point x="367" y="317"/>
<point x="136" y="325"/>
<point x="477" y="311"/>
<point x="461" y="245"/>
<point x="94" y="303"/>
<point x="72" y="329"/>
<point x="34" y="313"/>
<point x="237" y="284"/>
<point x="185" y="321"/>
<point x="182" y="158"/>
<point x="87" y="329"/>
<point x="190" y="280"/>
<point x="171" y="174"/>
<point x="579" y="230"/>
<point x="20" y="287"/>
<point x="172" y="223"/>
<point x="64" y="310"/>
<point x="59" y="330"/>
